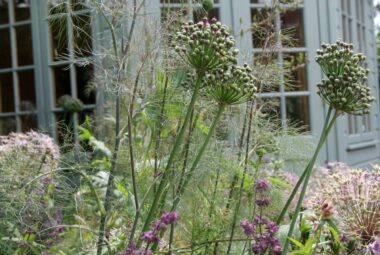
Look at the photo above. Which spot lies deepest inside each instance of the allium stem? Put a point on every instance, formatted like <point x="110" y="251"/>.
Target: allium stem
<point x="173" y="153"/>
<point x="237" y="207"/>
<point x="198" y="157"/>
<point x="329" y="123"/>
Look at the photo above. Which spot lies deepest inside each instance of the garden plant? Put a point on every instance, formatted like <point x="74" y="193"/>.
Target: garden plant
<point x="183" y="156"/>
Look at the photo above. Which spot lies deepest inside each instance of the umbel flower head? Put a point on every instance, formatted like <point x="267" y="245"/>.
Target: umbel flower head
<point x="345" y="88"/>
<point x="205" y="45"/>
<point x="230" y="85"/>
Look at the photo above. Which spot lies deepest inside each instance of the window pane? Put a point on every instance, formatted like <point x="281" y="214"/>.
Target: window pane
<point x="21" y="10"/>
<point x="262" y="27"/>
<point x="270" y="107"/>
<point x="292" y="25"/>
<point x="61" y="77"/>
<point x="297" y="112"/>
<point x="4" y="18"/>
<point x="27" y="91"/>
<point x="266" y="70"/>
<point x="58" y="32"/>
<point x="170" y="14"/>
<point x="29" y="122"/>
<point x="296" y="79"/>
<point x="199" y="14"/>
<point x="5" y="49"/>
<point x="6" y="93"/>
<point x="84" y="84"/>
<point x="7" y="125"/>
<point x="173" y="1"/>
<point x="24" y="45"/>
<point x="82" y="35"/>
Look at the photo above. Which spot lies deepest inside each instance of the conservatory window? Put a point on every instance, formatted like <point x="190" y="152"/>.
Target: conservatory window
<point x="70" y="45"/>
<point x="354" y="31"/>
<point x="291" y="96"/>
<point x="188" y="9"/>
<point x="17" y="83"/>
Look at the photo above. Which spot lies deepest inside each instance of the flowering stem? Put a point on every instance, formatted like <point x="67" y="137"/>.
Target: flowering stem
<point x="198" y="157"/>
<point x="174" y="151"/>
<point x="301" y="179"/>
<point x="237" y="207"/>
<point x="326" y="130"/>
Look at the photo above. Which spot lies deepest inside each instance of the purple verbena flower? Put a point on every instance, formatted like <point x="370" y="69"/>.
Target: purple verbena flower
<point x="248" y="227"/>
<point x="262" y="185"/>
<point x="258" y="220"/>
<point x="169" y="217"/>
<point x="263" y="202"/>
<point x="150" y="237"/>
<point x="159" y="225"/>
<point x="271" y="227"/>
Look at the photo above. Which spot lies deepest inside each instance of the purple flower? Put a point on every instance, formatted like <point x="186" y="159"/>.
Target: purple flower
<point x="263" y="202"/>
<point x="262" y="185"/>
<point x="248" y="227"/>
<point x="159" y="225"/>
<point x="375" y="246"/>
<point x="259" y="220"/>
<point x="150" y="237"/>
<point x="169" y="218"/>
<point x="260" y="246"/>
<point x="272" y="227"/>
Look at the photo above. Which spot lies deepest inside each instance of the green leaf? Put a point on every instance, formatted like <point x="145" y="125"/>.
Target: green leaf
<point x="280" y="182"/>
<point x="296" y="242"/>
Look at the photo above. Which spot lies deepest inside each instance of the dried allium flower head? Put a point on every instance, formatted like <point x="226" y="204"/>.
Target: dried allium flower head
<point x="230" y="85"/>
<point x="70" y="104"/>
<point x="355" y="194"/>
<point x="205" y="45"/>
<point x="345" y="88"/>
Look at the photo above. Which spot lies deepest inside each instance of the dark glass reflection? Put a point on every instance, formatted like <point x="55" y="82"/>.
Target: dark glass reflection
<point x="297" y="112"/>
<point x="24" y="45"/>
<point x="6" y="93"/>
<point x="27" y="91"/>
<point x="296" y="79"/>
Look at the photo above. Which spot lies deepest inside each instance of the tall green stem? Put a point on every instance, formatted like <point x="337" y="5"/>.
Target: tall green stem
<point x="174" y="151"/>
<point x="326" y="130"/>
<point x="237" y="207"/>
<point x="302" y="177"/>
<point x="198" y="157"/>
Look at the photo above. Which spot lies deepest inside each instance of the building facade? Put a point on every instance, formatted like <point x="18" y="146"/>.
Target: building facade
<point x="33" y="76"/>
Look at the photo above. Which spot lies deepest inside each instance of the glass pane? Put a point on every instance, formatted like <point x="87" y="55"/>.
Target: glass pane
<point x="21" y="10"/>
<point x="266" y="69"/>
<point x="6" y="93"/>
<point x="82" y="35"/>
<point x="262" y="26"/>
<point x="296" y="79"/>
<point x="58" y="35"/>
<point x="297" y="112"/>
<point x="173" y="1"/>
<point x="5" y="49"/>
<point x="270" y="107"/>
<point x="24" y="45"/>
<point x="261" y="1"/>
<point x="4" y="18"/>
<point x="84" y="84"/>
<point x="292" y="25"/>
<point x="79" y="5"/>
<point x="61" y="78"/>
<point x="27" y="91"/>
<point x="200" y="14"/>
<point x="176" y="15"/>
<point x="29" y="122"/>
<point x="7" y="125"/>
